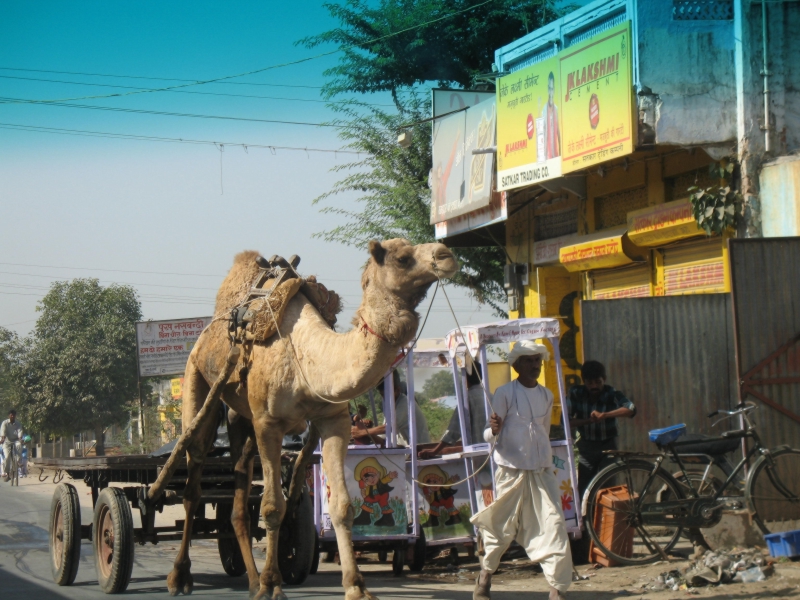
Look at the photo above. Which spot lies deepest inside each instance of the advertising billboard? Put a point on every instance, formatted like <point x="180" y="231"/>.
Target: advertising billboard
<point x="164" y="346"/>
<point x="596" y="100"/>
<point x="528" y="126"/>
<point x="460" y="181"/>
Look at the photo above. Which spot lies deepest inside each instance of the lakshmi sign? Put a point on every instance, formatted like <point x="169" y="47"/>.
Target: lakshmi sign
<point x="529" y="126"/>
<point x="662" y="224"/>
<point x="597" y="102"/>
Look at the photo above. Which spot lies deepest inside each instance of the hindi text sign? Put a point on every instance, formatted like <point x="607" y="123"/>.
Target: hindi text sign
<point x="164" y="346"/>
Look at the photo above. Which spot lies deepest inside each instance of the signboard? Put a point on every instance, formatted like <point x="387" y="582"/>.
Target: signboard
<point x="662" y="224"/>
<point x="596" y="102"/>
<point x="461" y="181"/>
<point x="496" y="212"/>
<point x="546" y="252"/>
<point x="528" y="126"/>
<point x="500" y="332"/>
<point x="164" y="346"/>
<point x="176" y="387"/>
<point x="447" y="101"/>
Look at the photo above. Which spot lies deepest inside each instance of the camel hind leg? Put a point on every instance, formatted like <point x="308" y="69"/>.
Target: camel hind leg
<point x="335" y="434"/>
<point x="194" y="394"/>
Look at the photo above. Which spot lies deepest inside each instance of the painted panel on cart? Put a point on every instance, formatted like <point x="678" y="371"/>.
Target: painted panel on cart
<point x="377" y="490"/>
<point x="563" y="475"/>
<point x="445" y="511"/>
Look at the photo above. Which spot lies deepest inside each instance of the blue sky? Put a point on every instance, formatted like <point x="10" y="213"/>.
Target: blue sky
<point x="166" y="217"/>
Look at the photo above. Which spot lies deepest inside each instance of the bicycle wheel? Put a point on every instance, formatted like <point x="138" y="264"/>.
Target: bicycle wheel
<point x="773" y="491"/>
<point x="614" y="522"/>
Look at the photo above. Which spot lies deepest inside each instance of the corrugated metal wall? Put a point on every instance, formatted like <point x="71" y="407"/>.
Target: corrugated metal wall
<point x="765" y="280"/>
<point x="672" y="356"/>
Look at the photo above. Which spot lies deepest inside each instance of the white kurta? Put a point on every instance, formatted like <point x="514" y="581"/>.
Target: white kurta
<point x="528" y="506"/>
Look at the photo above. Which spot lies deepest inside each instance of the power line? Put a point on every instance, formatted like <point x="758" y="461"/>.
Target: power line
<point x="277" y="66"/>
<point x="195" y="92"/>
<point x="151" y="138"/>
<point x="142" y="111"/>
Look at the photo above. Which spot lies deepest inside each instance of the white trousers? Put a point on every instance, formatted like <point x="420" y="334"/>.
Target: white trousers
<point x="528" y="510"/>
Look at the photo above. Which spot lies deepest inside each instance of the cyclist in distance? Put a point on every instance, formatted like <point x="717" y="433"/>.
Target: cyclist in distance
<point x="10" y="435"/>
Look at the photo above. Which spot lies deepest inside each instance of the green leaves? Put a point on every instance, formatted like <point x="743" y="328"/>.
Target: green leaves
<point x="717" y="208"/>
<point x="78" y="369"/>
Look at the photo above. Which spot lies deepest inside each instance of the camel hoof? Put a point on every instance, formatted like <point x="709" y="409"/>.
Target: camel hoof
<point x="357" y="593"/>
<point x="180" y="581"/>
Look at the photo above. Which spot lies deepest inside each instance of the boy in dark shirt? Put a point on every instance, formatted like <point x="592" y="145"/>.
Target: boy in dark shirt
<point x="593" y="411"/>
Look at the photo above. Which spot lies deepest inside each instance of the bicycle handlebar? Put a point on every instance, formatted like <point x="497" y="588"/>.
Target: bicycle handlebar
<point x="740" y="409"/>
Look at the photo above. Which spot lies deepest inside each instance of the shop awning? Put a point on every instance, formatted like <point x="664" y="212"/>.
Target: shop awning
<point x="603" y="250"/>
<point x="662" y="224"/>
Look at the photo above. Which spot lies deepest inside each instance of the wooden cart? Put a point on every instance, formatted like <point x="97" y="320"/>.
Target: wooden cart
<point x="119" y="482"/>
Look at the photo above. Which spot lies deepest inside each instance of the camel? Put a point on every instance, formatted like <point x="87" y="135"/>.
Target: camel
<point x="306" y="373"/>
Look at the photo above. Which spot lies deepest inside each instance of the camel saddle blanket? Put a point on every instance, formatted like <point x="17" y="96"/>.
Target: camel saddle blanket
<point x="265" y="314"/>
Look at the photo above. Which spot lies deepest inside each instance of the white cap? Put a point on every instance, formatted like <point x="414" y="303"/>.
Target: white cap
<point x="527" y="348"/>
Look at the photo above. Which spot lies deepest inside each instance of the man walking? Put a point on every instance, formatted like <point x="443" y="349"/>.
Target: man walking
<point x="593" y="410"/>
<point x="10" y="435"/>
<point x="528" y="507"/>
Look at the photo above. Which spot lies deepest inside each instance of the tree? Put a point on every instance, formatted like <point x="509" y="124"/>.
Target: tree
<point x="78" y="369"/>
<point x="9" y="357"/>
<point x="384" y="48"/>
<point x="439" y="385"/>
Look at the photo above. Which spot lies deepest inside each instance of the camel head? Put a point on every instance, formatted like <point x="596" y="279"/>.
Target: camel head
<point x="407" y="271"/>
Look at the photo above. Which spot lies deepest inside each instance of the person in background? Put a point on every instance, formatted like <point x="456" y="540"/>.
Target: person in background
<point x="593" y="409"/>
<point x="10" y="436"/>
<point x="23" y="456"/>
<point x="477" y="417"/>
<point x="359" y="430"/>
<point x="528" y="505"/>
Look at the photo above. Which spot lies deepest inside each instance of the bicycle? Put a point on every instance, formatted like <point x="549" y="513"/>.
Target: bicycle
<point x="14" y="465"/>
<point x="636" y="510"/>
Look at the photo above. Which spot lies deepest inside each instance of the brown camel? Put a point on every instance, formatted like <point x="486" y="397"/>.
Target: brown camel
<point x="307" y="373"/>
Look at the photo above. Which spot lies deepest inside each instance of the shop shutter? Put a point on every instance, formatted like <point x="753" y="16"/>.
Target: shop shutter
<point x="694" y="268"/>
<point x="629" y="282"/>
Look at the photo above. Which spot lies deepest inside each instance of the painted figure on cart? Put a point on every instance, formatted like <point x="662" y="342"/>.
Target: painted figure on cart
<point x="440" y="496"/>
<point x="373" y="481"/>
<point x="528" y="508"/>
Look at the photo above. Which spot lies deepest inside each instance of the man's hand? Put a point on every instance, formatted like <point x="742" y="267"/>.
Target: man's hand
<point x="359" y="430"/>
<point x="495" y="423"/>
<point x="597" y="416"/>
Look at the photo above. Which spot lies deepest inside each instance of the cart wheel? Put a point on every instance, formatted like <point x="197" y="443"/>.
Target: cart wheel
<point x="65" y="534"/>
<point x="398" y="560"/>
<point x="296" y="543"/>
<point x="229" y="552"/>
<point x="112" y="540"/>
<point x="419" y="549"/>
<point x="383" y="555"/>
<point x="315" y="560"/>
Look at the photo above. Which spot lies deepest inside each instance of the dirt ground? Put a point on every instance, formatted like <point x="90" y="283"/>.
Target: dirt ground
<point x="516" y="575"/>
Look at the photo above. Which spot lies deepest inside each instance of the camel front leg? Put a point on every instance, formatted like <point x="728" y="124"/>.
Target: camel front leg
<point x="243" y="452"/>
<point x="273" y="507"/>
<point x="335" y="434"/>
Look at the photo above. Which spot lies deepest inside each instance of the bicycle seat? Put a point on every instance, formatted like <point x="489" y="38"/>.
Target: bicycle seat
<point x="667" y="435"/>
<point x="706" y="445"/>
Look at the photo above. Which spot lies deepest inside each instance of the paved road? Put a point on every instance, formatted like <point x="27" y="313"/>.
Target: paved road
<point x="25" y="562"/>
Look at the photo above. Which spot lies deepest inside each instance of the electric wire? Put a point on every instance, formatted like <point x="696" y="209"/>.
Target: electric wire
<point x="149" y="138"/>
<point x="270" y="67"/>
<point x="196" y="92"/>
<point x="142" y="111"/>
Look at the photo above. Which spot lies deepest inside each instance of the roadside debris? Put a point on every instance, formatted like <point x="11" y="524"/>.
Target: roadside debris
<point x="737" y="565"/>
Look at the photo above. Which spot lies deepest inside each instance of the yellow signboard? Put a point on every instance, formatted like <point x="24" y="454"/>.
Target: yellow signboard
<point x="528" y="126"/>
<point x="662" y="224"/>
<point x="596" y="104"/>
<point x="177" y="388"/>
<point x="603" y="253"/>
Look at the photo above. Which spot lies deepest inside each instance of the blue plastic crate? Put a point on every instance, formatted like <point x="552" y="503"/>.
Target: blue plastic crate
<point x="786" y="543"/>
<point x="667" y="435"/>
